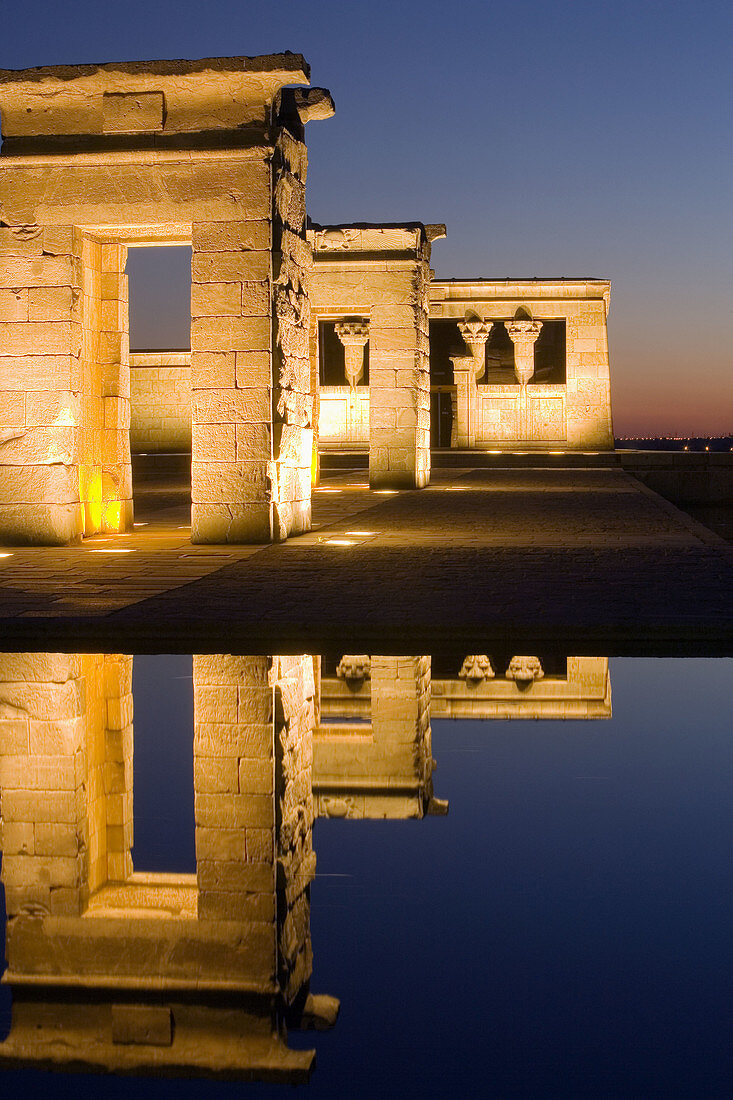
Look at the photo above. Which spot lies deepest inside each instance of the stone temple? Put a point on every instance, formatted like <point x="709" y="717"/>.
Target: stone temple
<point x="305" y="339"/>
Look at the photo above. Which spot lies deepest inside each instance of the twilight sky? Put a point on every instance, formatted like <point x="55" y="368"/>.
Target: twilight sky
<point x="572" y="137"/>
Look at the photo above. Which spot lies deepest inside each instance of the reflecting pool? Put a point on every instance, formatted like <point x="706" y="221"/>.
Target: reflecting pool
<point x="472" y="873"/>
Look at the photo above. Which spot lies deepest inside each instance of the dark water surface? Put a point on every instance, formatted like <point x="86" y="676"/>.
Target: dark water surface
<point x="567" y="930"/>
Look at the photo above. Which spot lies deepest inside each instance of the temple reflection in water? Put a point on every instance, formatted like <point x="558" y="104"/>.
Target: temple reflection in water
<point x="129" y="971"/>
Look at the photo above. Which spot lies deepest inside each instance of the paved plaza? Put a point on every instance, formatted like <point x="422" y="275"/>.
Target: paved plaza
<point x="585" y="561"/>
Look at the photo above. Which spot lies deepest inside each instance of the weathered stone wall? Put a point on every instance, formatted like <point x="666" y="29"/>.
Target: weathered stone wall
<point x="160" y="401"/>
<point x="293" y="397"/>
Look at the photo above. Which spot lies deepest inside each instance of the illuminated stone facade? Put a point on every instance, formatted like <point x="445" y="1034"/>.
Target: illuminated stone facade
<point x="304" y="337"/>
<point x="496" y="380"/>
<point x="97" y="158"/>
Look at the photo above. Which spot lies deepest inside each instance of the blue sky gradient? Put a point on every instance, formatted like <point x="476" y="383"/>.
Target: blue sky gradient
<point x="563" y="138"/>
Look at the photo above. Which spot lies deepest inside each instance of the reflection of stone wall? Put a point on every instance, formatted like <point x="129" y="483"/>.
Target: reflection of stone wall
<point x="65" y="778"/>
<point x="584" y="693"/>
<point x="134" y="971"/>
<point x="385" y="768"/>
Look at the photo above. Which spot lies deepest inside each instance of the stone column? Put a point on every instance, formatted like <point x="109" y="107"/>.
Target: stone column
<point x="40" y="385"/>
<point x="523" y="335"/>
<point x="231" y="378"/>
<point x="467" y="369"/>
<point x="475" y="333"/>
<point x="399" y="380"/>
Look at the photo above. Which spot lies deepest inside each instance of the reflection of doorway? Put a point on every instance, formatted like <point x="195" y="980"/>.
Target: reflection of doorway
<point x="160" y="382"/>
<point x="441" y="416"/>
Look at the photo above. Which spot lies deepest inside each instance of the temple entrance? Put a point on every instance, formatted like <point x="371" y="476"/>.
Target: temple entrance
<point x="159" y="283"/>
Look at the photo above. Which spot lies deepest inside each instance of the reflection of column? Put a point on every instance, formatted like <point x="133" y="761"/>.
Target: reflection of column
<point x="523" y="335"/>
<point x="50" y="725"/>
<point x="253" y="726"/>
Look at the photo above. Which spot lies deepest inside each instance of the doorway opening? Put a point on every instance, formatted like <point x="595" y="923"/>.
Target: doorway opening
<point x="159" y="287"/>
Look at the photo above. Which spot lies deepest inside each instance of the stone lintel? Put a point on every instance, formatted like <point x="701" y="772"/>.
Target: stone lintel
<point x="292" y="67"/>
<point x="459" y="293"/>
<point x="332" y="241"/>
<point x="143" y="98"/>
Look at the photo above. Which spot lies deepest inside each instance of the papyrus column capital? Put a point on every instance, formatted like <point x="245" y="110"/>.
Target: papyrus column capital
<point x="475" y="333"/>
<point x="354" y="335"/>
<point x="523" y="335"/>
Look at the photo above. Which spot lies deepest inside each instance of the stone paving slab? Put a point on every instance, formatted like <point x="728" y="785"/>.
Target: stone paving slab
<point x="580" y="561"/>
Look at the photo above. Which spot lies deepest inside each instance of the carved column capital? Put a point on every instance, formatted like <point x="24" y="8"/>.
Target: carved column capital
<point x="523" y="335"/>
<point x="354" y="335"/>
<point x="475" y="333"/>
<point x="525" y="670"/>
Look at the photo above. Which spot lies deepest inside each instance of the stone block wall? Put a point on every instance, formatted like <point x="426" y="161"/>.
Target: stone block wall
<point x="382" y="274"/>
<point x="160" y="401"/>
<point x="573" y="416"/>
<point x="343" y="417"/>
<point x="64" y="396"/>
<point x="144" y="168"/>
<point x="231" y="371"/>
